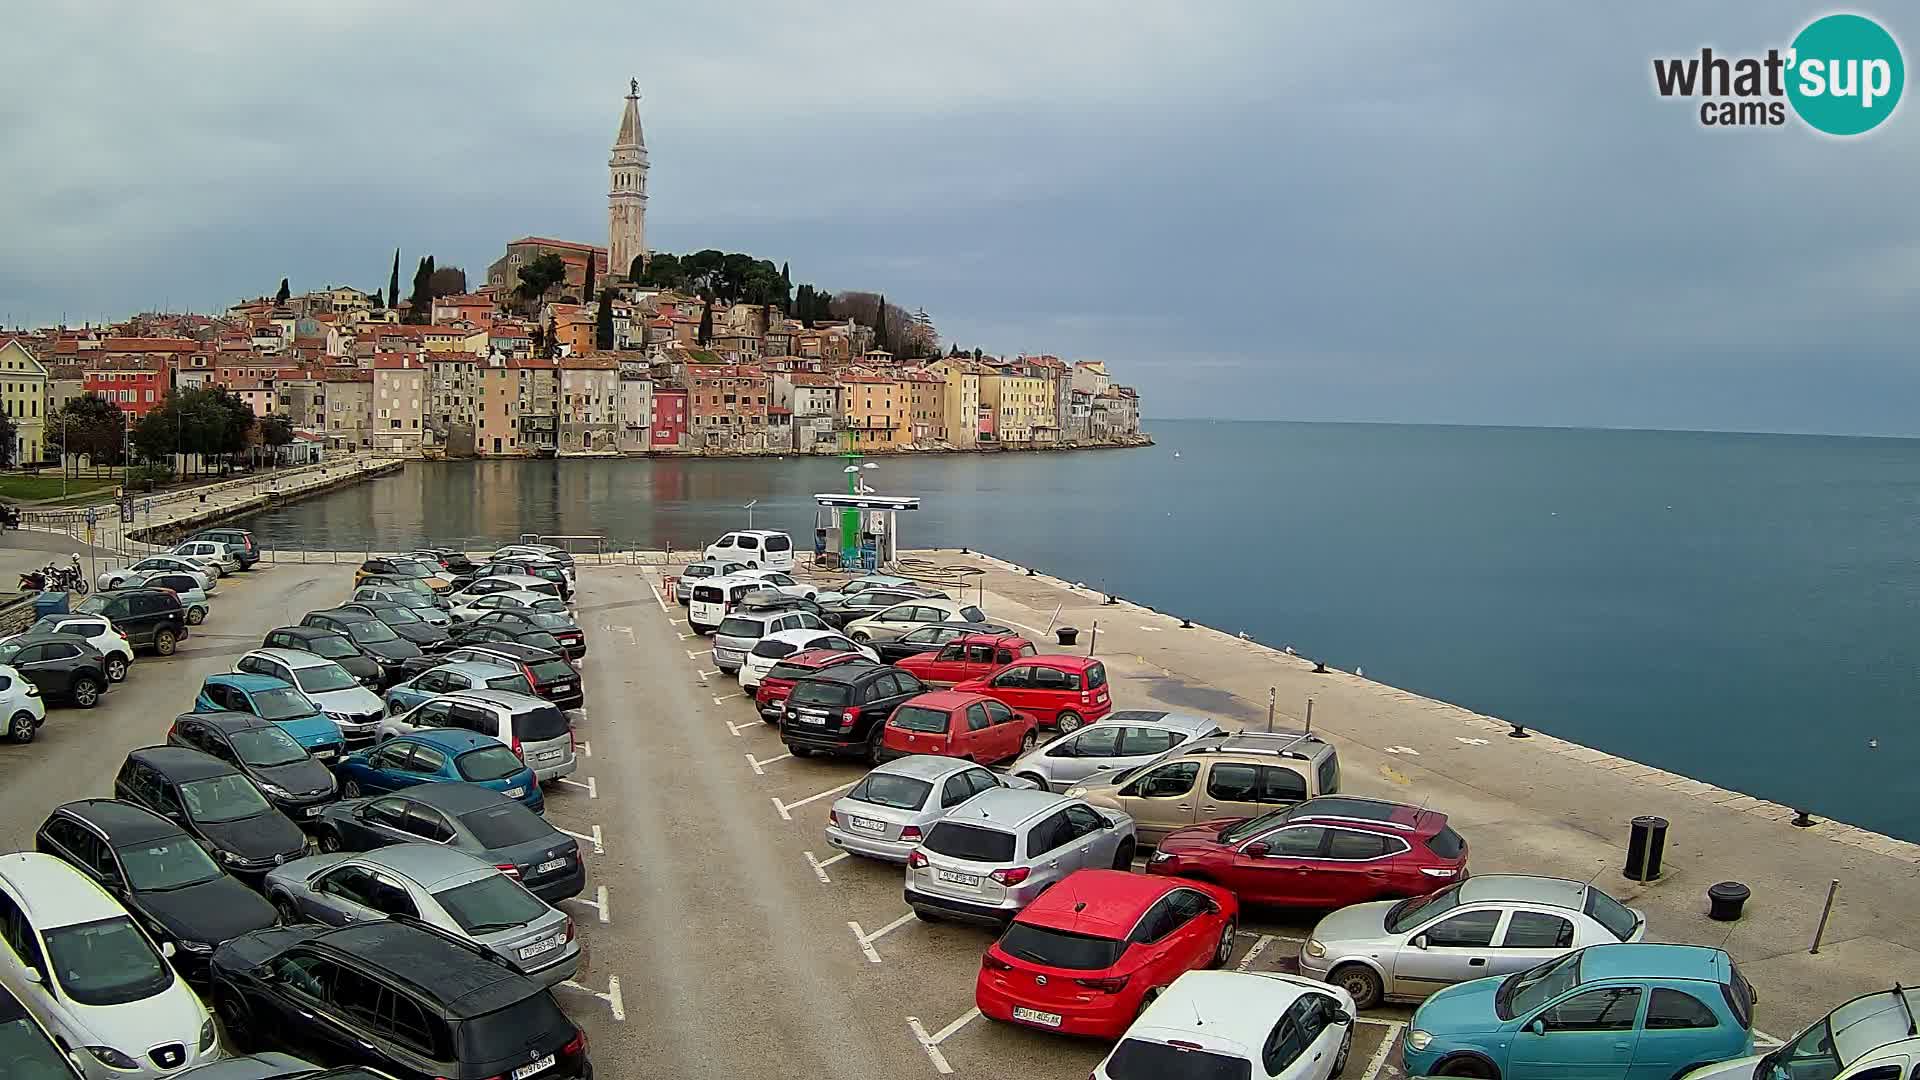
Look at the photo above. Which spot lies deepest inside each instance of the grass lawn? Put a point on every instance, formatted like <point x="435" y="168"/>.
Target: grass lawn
<point x="27" y="487"/>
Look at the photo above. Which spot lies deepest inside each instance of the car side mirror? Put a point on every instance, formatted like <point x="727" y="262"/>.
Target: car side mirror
<point x="1419" y="941"/>
<point x="32" y="975"/>
<point x="1340" y="1016"/>
<point x="1538" y="1026"/>
<point x="80" y="1060"/>
<point x="167" y="950"/>
<point x="1258" y="849"/>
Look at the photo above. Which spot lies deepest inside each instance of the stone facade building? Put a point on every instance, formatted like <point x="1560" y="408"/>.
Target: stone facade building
<point x="627" y="189"/>
<point x="589" y="405"/>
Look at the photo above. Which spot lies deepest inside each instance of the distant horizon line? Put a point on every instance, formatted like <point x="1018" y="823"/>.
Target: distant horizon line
<point x="1145" y="420"/>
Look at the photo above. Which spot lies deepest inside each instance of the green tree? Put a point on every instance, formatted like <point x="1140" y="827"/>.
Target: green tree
<point x="276" y="432"/>
<point x="586" y="291"/>
<point x="89" y="426"/>
<point x="446" y="281"/>
<point x="9" y="437"/>
<point x="281" y="296"/>
<point x="540" y="275"/>
<point x="706" y="322"/>
<point x="553" y="338"/>
<point x="880" y="336"/>
<point x="603" y="323"/>
<point x="393" y="282"/>
<point x="420" y="301"/>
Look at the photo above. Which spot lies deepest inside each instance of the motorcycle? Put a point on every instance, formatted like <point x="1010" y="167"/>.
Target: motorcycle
<point x="70" y="578"/>
<point x="33" y="581"/>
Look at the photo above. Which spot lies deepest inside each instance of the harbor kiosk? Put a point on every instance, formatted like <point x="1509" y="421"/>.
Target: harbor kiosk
<point x="862" y="529"/>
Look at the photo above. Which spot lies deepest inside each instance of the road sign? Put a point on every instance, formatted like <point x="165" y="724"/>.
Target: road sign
<point x="93" y="517"/>
<point x="147" y="506"/>
<point x="126" y="509"/>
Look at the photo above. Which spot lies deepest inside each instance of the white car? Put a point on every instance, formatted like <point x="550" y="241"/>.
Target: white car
<point x="121" y="578"/>
<point x="96" y="631"/>
<point x="1869" y="1038"/>
<point x="94" y="977"/>
<point x="781" y="644"/>
<point x="211" y="554"/>
<point x="1244" y="1023"/>
<point x="781" y="582"/>
<point x="21" y="705"/>
<point x="903" y="618"/>
<point x="356" y="709"/>
<point x="505" y="600"/>
<point x="755" y="547"/>
<point x="494" y="583"/>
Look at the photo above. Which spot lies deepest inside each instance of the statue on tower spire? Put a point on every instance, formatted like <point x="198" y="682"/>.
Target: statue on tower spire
<point x="633" y="87"/>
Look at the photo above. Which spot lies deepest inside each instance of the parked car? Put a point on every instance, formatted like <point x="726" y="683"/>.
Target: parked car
<point x="741" y="630"/>
<point x="770" y="650"/>
<point x="147" y="618"/>
<point x="22" y="705"/>
<point x="781" y="582"/>
<point x="533" y="637"/>
<point x="399" y="566"/>
<point x="439" y="757"/>
<point x="465" y="1012"/>
<point x="63" y="668"/>
<point x="886" y="582"/>
<point x="771" y="695"/>
<point x="294" y="781"/>
<point x="1235" y="776"/>
<point x="215" y="803"/>
<point x="352" y="706"/>
<point x="469" y="608"/>
<point x="161" y="874"/>
<point x="376" y="637"/>
<point x="547" y="570"/>
<point x="452" y="559"/>
<point x="279" y="703"/>
<point x="329" y="645"/>
<point x="986" y="859"/>
<point x="240" y="540"/>
<point x="952" y="724"/>
<point x="1087" y="955"/>
<point x="971" y="656"/>
<point x="714" y="599"/>
<point x="562" y="627"/>
<point x="755" y="547"/>
<point x="764" y="598"/>
<point x="269" y="1065"/>
<point x="1062" y="691"/>
<point x="30" y="1049"/>
<point x="402" y="620"/>
<point x="209" y="553"/>
<point x="126" y="575"/>
<point x="534" y="729"/>
<point x="844" y="710"/>
<point x="76" y="959"/>
<point x="1122" y="742"/>
<point x="889" y="811"/>
<point x="552" y="677"/>
<point x="498" y="583"/>
<point x="1237" y="1024"/>
<point x="1493" y="925"/>
<point x="450" y="677"/>
<point x="553" y="552"/>
<point x="1871" y="1037"/>
<point x="96" y="631"/>
<point x="897" y="621"/>
<point x="843" y="611"/>
<point x="448" y="890"/>
<point x="416" y="586"/>
<point x="692" y="574"/>
<point x="424" y="605"/>
<point x="184" y="585"/>
<point x="1597" y="1012"/>
<point x="930" y="638"/>
<point x="466" y="817"/>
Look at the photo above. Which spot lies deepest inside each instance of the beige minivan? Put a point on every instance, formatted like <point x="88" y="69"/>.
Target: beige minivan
<point x="1226" y="776"/>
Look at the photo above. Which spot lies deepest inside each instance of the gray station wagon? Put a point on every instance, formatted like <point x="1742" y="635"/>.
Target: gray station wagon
<point x="1123" y="741"/>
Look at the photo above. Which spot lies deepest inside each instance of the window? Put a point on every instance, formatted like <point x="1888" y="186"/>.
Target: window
<point x="390" y="812"/>
<point x="1047" y="678"/>
<point x="1099" y="740"/>
<point x="1229" y="782"/>
<point x="349" y="883"/>
<point x="956" y="790"/>
<point x="1299" y="842"/>
<point x="428" y="824"/>
<point x="1014" y="678"/>
<point x="1467" y="930"/>
<point x="997" y="712"/>
<point x="981" y="780"/>
<point x="1140" y="742"/>
<point x="1348" y="844"/>
<point x="305" y="975"/>
<point x="1539" y="930"/>
<point x="1166" y="782"/>
<point x="977" y="719"/>
<point x="1051" y="833"/>
<point x="1611" y="1008"/>
<point x="1670" y="1010"/>
<point x="425" y="759"/>
<point x="1160" y="920"/>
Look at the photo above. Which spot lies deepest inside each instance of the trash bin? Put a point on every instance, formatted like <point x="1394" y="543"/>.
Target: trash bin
<point x="1725" y="900"/>
<point x="1645" y="845"/>
<point x="1067" y="634"/>
<point x="49" y="603"/>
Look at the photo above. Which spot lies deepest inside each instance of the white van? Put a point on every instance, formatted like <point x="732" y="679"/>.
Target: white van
<point x="714" y="598"/>
<point x="760" y="549"/>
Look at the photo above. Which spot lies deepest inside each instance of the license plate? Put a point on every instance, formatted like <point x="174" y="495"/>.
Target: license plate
<point x="550" y="755"/>
<point x="515" y="792"/>
<point x="324" y="755"/>
<point x="313" y="811"/>
<point x="1101" y="697"/>
<point x="563" y="688"/>
<point x="539" y="947"/>
<point x="972" y="881"/>
<point x="805" y="719"/>
<point x="869" y="825"/>
<point x="1035" y="1016"/>
<point x="549" y="865"/>
<point x="525" y="1071"/>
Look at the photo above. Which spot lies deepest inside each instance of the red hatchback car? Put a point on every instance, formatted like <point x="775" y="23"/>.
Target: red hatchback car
<point x="1082" y="958"/>
<point x="1322" y="853"/>
<point x="1065" y="692"/>
<point x="968" y="657"/>
<point x="771" y="695"/>
<point x="951" y="724"/>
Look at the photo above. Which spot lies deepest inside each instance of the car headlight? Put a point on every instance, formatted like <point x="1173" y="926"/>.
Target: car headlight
<point x="275" y="791"/>
<point x="1418" y="1039"/>
<point x="111" y="1058"/>
<point x="1160" y="857"/>
<point x="206" y="1035"/>
<point x="1314" y="949"/>
<point x="230" y="857"/>
<point x="1075" y="792"/>
<point x="200" y="947"/>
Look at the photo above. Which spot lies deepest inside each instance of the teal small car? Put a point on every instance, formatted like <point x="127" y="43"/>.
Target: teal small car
<point x="1606" y="1012"/>
<point x="270" y="699"/>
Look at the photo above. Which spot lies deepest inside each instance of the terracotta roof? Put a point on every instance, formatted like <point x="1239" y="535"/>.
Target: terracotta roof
<point x="808" y="378"/>
<point x="565" y="245"/>
<point x="150" y="344"/>
<point x="396" y="363"/>
<point x="725" y="371"/>
<point x="589" y="362"/>
<point x="452" y="358"/>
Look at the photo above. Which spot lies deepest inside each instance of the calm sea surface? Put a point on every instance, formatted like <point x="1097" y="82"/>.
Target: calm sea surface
<point x="1738" y="608"/>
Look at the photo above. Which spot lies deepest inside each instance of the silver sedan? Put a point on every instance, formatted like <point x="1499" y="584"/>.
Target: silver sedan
<point x="1406" y="950"/>
<point x="886" y="815"/>
<point x="449" y="889"/>
<point x="1102" y="751"/>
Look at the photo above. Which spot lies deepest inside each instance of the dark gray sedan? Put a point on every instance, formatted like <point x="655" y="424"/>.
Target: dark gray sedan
<point x="469" y="818"/>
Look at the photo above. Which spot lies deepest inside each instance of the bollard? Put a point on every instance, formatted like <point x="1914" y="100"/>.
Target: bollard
<point x="1319" y="667"/>
<point x="1820" y="931"/>
<point x="1186" y="623"/>
<point x="1802" y="820"/>
<point x="1519" y="732"/>
<point x="1725" y="899"/>
<point x="1646" y="843"/>
<point x="1067" y="634"/>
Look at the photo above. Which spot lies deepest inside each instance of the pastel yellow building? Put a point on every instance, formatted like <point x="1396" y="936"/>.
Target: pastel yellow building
<point x="1018" y="402"/>
<point x="876" y="412"/>
<point x="23" y="395"/>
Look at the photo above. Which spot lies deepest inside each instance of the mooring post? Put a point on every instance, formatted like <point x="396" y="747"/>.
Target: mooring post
<point x="1820" y="931"/>
<point x="1273" y="694"/>
<point x="1309" y="716"/>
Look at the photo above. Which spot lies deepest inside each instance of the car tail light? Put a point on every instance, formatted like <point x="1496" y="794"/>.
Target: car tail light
<point x="569" y="928"/>
<point x="1440" y="871"/>
<point x="1084" y="698"/>
<point x="833" y="817"/>
<point x="847" y="718"/>
<point x="915" y="859"/>
<point x="577" y="1044"/>
<point x="1011" y="876"/>
<point x="172" y="729"/>
<point x="910" y="832"/>
<point x="507" y="868"/>
<point x="517" y="752"/>
<point x="1105" y="986"/>
<point x="991" y="962"/>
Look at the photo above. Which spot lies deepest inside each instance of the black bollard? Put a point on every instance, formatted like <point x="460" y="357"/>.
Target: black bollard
<point x="1646" y="844"/>
<point x="1725" y="899"/>
<point x="1067" y="634"/>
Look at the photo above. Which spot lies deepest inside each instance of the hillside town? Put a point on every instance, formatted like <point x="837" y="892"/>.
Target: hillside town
<point x="570" y="349"/>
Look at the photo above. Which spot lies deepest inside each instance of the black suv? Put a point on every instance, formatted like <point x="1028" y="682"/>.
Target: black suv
<point x="552" y="677"/>
<point x="402" y="620"/>
<point x="844" y="710"/>
<point x="61" y="666"/>
<point x="396" y="995"/>
<point x="364" y="666"/>
<point x="240" y="540"/>
<point x="147" y="618"/>
<point x="214" y="802"/>
<point x="374" y="637"/>
<point x="296" y="784"/>
<point x="154" y="868"/>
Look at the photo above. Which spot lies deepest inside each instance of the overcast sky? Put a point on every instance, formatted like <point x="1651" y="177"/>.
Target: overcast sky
<point x="1467" y="213"/>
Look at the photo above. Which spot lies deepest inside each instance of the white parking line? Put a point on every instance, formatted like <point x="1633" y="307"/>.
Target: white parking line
<point x="1246" y="962"/>
<point x="691" y="655"/>
<point x="657" y="598"/>
<point x="599" y="845"/>
<point x="820" y="868"/>
<point x="738" y="728"/>
<point x="715" y="671"/>
<point x="1762" y="1039"/>
<point x="586" y="747"/>
<point x="599" y="905"/>
<point x="683" y="637"/>
<point x="1379" y="1058"/>
<point x="759" y="770"/>
<point x="724" y="698"/>
<point x="784" y="807"/>
<point x="931" y="1043"/>
<point x="611" y="997"/>
<point x="592" y="789"/>
<point x="866" y="940"/>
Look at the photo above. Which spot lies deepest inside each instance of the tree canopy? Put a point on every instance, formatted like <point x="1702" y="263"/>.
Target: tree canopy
<point x="541" y="274"/>
<point x="89" y="425"/>
<point x="726" y="276"/>
<point x="208" y="422"/>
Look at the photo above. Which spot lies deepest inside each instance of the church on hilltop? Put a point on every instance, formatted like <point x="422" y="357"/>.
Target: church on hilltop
<point x="626" y="220"/>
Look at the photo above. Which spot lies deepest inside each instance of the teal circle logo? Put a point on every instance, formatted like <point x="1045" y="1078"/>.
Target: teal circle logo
<point x="1847" y="74"/>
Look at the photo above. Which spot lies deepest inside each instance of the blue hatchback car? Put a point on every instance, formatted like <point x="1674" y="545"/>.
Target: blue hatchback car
<point x="1606" y="1012"/>
<point x="444" y="756"/>
<point x="270" y="699"/>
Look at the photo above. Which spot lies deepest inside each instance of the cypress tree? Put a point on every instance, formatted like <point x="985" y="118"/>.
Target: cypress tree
<point x="586" y="294"/>
<point x="706" y="322"/>
<point x="393" y="282"/>
<point x="553" y="338"/>
<point x="603" y="321"/>
<point x="880" y="324"/>
<point x="281" y="296"/>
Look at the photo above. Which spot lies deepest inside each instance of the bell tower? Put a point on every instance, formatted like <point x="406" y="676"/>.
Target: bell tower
<point x="627" y="190"/>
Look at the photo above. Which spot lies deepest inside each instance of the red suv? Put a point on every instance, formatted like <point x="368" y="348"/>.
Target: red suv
<point x="1064" y="692"/>
<point x="968" y="657"/>
<point x="771" y="695"/>
<point x="1082" y="958"/>
<point x="1321" y="853"/>
<point x="951" y="724"/>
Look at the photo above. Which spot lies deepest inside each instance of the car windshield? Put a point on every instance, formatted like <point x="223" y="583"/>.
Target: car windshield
<point x="1253" y="826"/>
<point x="768" y="649"/>
<point x="506" y="1034"/>
<point x="506" y="825"/>
<point x="970" y="842"/>
<point x="736" y="626"/>
<point x="322" y="678"/>
<point x="919" y="718"/>
<point x="1410" y="913"/>
<point x="27" y="1053"/>
<point x="1058" y="948"/>
<point x="491" y="903"/>
<point x="266" y="747"/>
<point x="410" y="569"/>
<point x="819" y="692"/>
<point x="222" y="798"/>
<point x="1525" y="991"/>
<point x="329" y="646"/>
<point x="407" y="598"/>
<point x="541" y="724"/>
<point x="1619" y="919"/>
<point x="107" y="962"/>
<point x="488" y="763"/>
<point x="517" y="684"/>
<point x="398" y="616"/>
<point x="281" y="703"/>
<point x="547" y="620"/>
<point x="788" y="671"/>
<point x="8" y="652"/>
<point x="371" y="632"/>
<point x="1138" y="1059"/>
<point x="540" y="639"/>
<point x="886" y="789"/>
<point x="551" y="670"/>
<point x="166" y="864"/>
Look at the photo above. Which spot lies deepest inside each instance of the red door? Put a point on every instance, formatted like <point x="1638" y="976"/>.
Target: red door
<point x="1287" y="872"/>
<point x="1002" y="732"/>
<point x="973" y="735"/>
<point x="946" y="666"/>
<point x="1013" y="687"/>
